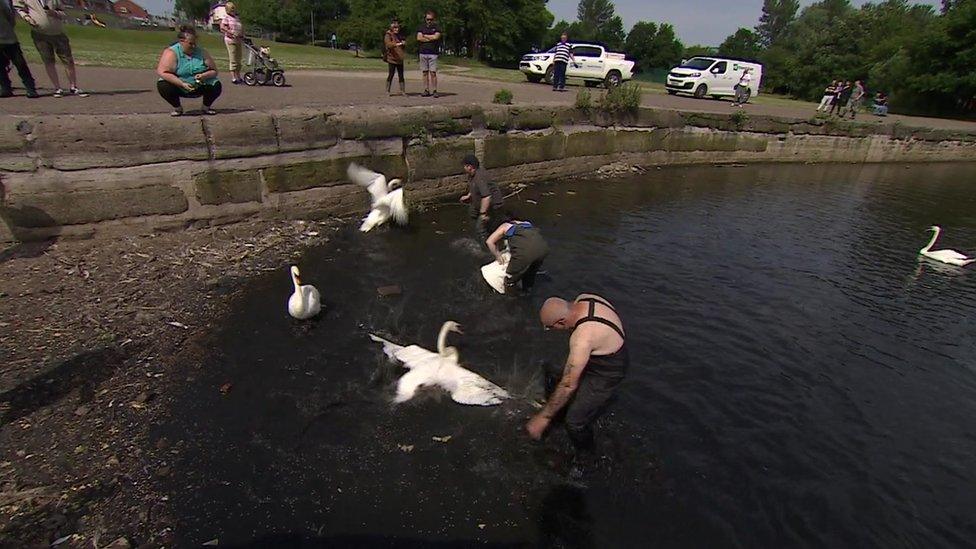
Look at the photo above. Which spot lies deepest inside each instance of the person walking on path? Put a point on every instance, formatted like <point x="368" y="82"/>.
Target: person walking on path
<point x="46" y="19"/>
<point x="394" y="54"/>
<point x="597" y="363"/>
<point x="828" y="97"/>
<point x="187" y="70"/>
<point x="742" y="88"/>
<point x="233" y="31"/>
<point x="841" y="96"/>
<point x="10" y="53"/>
<point x="484" y="197"/>
<point x="857" y="98"/>
<point x="527" y="248"/>
<point x="429" y="37"/>
<point x="563" y="55"/>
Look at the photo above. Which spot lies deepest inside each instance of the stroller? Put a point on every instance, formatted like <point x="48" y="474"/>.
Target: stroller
<point x="264" y="68"/>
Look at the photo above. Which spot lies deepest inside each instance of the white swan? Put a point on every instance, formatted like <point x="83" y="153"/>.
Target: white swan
<point x="441" y="369"/>
<point x="305" y="302"/>
<point x="951" y="257"/>
<point x="388" y="201"/>
<point x="494" y="273"/>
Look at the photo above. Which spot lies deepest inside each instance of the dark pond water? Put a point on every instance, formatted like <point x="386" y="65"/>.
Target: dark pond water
<point x="800" y="377"/>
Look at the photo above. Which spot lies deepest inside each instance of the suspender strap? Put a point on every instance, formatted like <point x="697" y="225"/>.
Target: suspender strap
<point x="591" y="317"/>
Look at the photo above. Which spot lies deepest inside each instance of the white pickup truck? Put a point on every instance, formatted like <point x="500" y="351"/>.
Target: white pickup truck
<point x="594" y="64"/>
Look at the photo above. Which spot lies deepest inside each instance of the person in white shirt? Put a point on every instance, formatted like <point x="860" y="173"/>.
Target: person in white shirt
<point x="742" y="88"/>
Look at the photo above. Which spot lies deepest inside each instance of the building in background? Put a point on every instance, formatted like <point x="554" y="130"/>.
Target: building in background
<point x="130" y="10"/>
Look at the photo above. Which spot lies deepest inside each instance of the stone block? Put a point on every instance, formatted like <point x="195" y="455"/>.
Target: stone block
<point x="328" y="173"/>
<point x="107" y="141"/>
<point x="593" y="143"/>
<point x="438" y="158"/>
<point x="648" y="117"/>
<point x="13" y="144"/>
<point x="227" y="187"/>
<point x="306" y="130"/>
<point x="520" y="118"/>
<point x="73" y="208"/>
<point x="766" y="124"/>
<point x="640" y="141"/>
<point x="687" y="141"/>
<point x="242" y="134"/>
<point x="511" y="150"/>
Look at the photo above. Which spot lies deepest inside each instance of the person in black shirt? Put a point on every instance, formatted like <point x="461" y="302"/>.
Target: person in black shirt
<point x="429" y="37"/>
<point x="484" y="196"/>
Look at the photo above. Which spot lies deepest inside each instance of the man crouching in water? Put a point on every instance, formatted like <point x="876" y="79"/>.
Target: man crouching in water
<point x="598" y="360"/>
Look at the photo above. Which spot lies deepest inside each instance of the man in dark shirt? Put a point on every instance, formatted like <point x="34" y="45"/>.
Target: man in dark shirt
<point x="484" y="196"/>
<point x="429" y="38"/>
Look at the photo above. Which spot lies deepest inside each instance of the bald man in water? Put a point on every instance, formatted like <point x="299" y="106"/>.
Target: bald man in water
<point x="598" y="360"/>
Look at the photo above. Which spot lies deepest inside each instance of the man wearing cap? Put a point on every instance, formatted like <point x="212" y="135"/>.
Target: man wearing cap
<point x="484" y="196"/>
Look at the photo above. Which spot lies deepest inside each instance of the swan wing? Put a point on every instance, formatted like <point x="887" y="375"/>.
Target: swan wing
<point x="949" y="256"/>
<point x="397" y="206"/>
<point x="307" y="305"/>
<point x="374" y="182"/>
<point x="494" y="273"/>
<point x="474" y="390"/>
<point x="389" y="348"/>
<point x="408" y="384"/>
<point x="377" y="216"/>
<point x="415" y="356"/>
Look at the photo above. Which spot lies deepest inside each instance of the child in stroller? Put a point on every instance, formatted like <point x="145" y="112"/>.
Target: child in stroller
<point x="264" y="68"/>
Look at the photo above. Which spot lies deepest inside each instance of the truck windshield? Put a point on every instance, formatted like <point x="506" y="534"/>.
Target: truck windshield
<point x="698" y="63"/>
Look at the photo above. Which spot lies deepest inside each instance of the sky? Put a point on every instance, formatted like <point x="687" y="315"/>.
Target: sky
<point x="705" y="22"/>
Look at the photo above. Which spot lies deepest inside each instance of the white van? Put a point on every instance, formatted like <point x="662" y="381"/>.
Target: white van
<point x="712" y="76"/>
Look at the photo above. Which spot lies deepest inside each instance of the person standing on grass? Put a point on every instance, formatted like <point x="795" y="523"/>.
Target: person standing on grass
<point x="742" y="88"/>
<point x="429" y="37"/>
<point x="233" y="31"/>
<point x="828" y="97"/>
<point x="46" y="19"/>
<point x="187" y="70"/>
<point x="10" y="52"/>
<point x="394" y="54"/>
<point x="840" y="98"/>
<point x="857" y="98"/>
<point x="563" y="55"/>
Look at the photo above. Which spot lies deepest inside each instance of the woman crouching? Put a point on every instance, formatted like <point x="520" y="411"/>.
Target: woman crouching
<point x="186" y="70"/>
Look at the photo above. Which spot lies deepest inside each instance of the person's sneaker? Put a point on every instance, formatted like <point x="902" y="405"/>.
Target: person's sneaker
<point x="177" y="112"/>
<point x="58" y="93"/>
<point x="79" y="93"/>
<point x="32" y="94"/>
<point x="426" y="93"/>
<point x="434" y="95"/>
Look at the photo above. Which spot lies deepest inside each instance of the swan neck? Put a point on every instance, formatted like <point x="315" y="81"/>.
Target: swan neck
<point x="442" y="340"/>
<point x="935" y="236"/>
<point x="298" y="291"/>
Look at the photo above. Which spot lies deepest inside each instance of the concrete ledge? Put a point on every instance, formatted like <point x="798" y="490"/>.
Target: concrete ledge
<point x="79" y="176"/>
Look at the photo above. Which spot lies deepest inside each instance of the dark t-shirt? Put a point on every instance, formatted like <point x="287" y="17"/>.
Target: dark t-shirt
<point x="430" y="48"/>
<point x="480" y="186"/>
<point x="845" y="94"/>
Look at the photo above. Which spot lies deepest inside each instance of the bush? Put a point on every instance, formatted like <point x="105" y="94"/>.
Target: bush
<point x="503" y="97"/>
<point x="584" y="100"/>
<point x="739" y="118"/>
<point x="624" y="98"/>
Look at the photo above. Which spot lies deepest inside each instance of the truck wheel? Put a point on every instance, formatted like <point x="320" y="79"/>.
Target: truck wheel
<point x="550" y="72"/>
<point x="590" y="83"/>
<point x="534" y="78"/>
<point x="612" y="80"/>
<point x="700" y="91"/>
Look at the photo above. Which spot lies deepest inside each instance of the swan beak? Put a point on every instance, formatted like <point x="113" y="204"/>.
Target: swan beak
<point x="458" y="329"/>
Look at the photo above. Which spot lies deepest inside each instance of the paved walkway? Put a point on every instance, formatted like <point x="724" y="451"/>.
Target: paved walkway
<point x="126" y="91"/>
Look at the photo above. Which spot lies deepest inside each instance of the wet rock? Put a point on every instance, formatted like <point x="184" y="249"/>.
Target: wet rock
<point x="162" y="443"/>
<point x="386" y="291"/>
<point x="55" y="521"/>
<point x="163" y="472"/>
<point x="81" y="410"/>
<point x="121" y="543"/>
<point x="112" y="462"/>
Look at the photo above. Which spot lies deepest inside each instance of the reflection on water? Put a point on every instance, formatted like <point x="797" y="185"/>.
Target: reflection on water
<point x="800" y="378"/>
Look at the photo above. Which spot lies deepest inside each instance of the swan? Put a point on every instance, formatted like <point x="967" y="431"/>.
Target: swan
<point x="951" y="257"/>
<point x="441" y="369"/>
<point x="305" y="302"/>
<point x="494" y="273"/>
<point x="388" y="201"/>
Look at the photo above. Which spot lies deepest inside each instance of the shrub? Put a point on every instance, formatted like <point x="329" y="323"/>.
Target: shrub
<point x="626" y="97"/>
<point x="739" y="118"/>
<point x="584" y="100"/>
<point x="503" y="97"/>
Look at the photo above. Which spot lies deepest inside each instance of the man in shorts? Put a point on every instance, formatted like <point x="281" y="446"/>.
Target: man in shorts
<point x="429" y="37"/>
<point x="47" y="30"/>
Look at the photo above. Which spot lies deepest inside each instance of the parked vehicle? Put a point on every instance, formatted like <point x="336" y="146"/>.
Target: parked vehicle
<point x="594" y="65"/>
<point x="712" y="76"/>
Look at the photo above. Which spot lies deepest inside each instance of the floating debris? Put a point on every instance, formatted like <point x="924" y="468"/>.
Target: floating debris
<point x="178" y="325"/>
<point x="443" y="440"/>
<point x="406" y="448"/>
<point x="531" y="201"/>
<point x="386" y="291"/>
<point x="226" y="387"/>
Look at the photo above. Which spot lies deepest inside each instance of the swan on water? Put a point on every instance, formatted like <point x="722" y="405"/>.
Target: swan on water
<point x="304" y="303"/>
<point x="951" y="257"/>
<point x="388" y="201"/>
<point x="440" y="369"/>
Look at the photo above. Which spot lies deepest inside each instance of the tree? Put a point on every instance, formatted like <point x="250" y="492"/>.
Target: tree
<point x="640" y="43"/>
<point x="595" y="13"/>
<point x="666" y="49"/>
<point x="612" y="33"/>
<point x="193" y="9"/>
<point x="743" y="43"/>
<point x="775" y="19"/>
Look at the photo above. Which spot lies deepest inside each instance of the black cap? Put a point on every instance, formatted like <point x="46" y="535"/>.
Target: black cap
<point x="471" y="160"/>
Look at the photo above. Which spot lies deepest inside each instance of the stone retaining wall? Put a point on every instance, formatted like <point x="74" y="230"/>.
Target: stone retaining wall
<point x="103" y="175"/>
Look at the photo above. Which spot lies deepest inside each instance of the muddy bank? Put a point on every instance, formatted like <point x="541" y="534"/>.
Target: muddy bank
<point x="92" y="335"/>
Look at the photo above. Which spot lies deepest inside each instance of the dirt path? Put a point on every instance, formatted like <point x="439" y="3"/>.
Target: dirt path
<point x="133" y="91"/>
